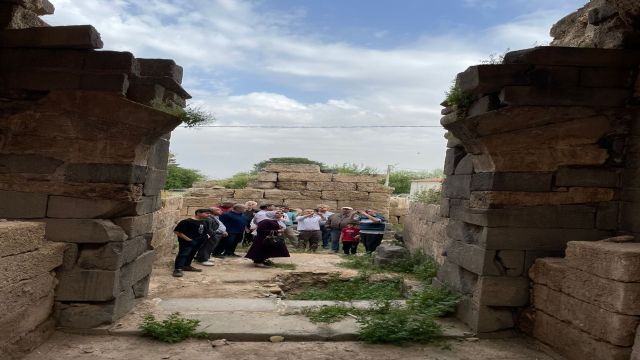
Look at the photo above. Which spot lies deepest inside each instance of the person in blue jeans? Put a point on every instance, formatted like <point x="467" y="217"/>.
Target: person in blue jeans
<point x="191" y="235"/>
<point x="236" y="222"/>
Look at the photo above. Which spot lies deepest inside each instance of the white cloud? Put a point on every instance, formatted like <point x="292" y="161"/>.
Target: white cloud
<point x="367" y="86"/>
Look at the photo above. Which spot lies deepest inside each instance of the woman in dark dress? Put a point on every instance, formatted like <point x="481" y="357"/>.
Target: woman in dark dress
<point x="260" y="251"/>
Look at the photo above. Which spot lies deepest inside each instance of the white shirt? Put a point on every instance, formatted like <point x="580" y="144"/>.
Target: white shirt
<point x="262" y="215"/>
<point x="309" y="223"/>
<point x="326" y="217"/>
<point x="221" y="228"/>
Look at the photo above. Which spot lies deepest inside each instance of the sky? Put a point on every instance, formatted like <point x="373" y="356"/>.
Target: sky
<point x="297" y="63"/>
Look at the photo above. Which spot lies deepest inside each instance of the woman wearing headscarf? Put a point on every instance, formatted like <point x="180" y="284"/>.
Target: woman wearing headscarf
<point x="261" y="250"/>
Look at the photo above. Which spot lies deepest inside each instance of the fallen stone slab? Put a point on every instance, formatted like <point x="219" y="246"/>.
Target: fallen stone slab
<point x="260" y="319"/>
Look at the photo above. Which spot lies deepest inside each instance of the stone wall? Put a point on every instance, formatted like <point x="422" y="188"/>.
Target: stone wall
<point x="608" y="24"/>
<point x="81" y="151"/>
<point x="299" y="186"/>
<point x="425" y="230"/>
<point x="537" y="159"/>
<point x="398" y="210"/>
<point x="587" y="305"/>
<point x="27" y="283"/>
<point x="163" y="240"/>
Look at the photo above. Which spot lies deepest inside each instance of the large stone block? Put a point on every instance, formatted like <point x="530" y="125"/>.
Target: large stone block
<point x="29" y="265"/>
<point x="26" y="319"/>
<point x="528" y="238"/>
<point x="484" y="79"/>
<point x="457" y="186"/>
<point x="373" y="187"/>
<point x="203" y="202"/>
<point x="291" y="185"/>
<point x="473" y="258"/>
<point x="331" y="186"/>
<point x="576" y="96"/>
<point x="345" y="195"/>
<point x="573" y="195"/>
<point x="112" y="256"/>
<point x="573" y="56"/>
<point x="484" y="319"/>
<point x="617" y="329"/>
<point x="282" y="194"/>
<point x="563" y="216"/>
<point x="573" y="343"/>
<point x="292" y="168"/>
<point x="593" y="177"/>
<point x="83" y="231"/>
<point x="267" y="176"/>
<point x="160" y="67"/>
<point x="355" y="178"/>
<point x="506" y="181"/>
<point x="502" y="291"/>
<point x="24" y="294"/>
<point x="310" y="194"/>
<point x="263" y="185"/>
<point x="87" y="285"/>
<point x="457" y="278"/>
<point x="91" y="315"/>
<point x="540" y="159"/>
<point x="310" y="204"/>
<point x="13" y="16"/>
<point x="135" y="225"/>
<point x="172" y="203"/>
<point x="609" y="260"/>
<point x="62" y="37"/>
<point x="159" y="154"/>
<point x="28" y="164"/>
<point x="303" y="176"/>
<point x="20" y="237"/>
<point x="249" y="194"/>
<point x="608" y="215"/>
<point x="136" y="270"/>
<point x="73" y="208"/>
<point x="154" y="181"/>
<point x="163" y="219"/>
<point x="452" y="158"/>
<point x="22" y="205"/>
<point x="105" y="173"/>
<point x="608" y="294"/>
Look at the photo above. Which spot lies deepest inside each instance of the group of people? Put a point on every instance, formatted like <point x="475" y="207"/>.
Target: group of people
<point x="217" y="231"/>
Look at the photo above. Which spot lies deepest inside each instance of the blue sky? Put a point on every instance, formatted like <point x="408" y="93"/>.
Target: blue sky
<point x="329" y="62"/>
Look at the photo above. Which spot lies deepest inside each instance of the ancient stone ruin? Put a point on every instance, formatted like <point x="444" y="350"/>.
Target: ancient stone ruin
<point x="299" y="186"/>
<point x="83" y="159"/>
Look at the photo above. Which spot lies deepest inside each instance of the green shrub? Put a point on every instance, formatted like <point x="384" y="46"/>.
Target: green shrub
<point x="417" y="265"/>
<point x="173" y="329"/>
<point x="238" y="181"/>
<point x="456" y="97"/>
<point x="358" y="288"/>
<point x="328" y="313"/>
<point x="191" y="116"/>
<point x="429" y="196"/>
<point x="390" y="323"/>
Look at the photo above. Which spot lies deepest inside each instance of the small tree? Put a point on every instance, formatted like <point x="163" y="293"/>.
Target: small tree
<point x="179" y="177"/>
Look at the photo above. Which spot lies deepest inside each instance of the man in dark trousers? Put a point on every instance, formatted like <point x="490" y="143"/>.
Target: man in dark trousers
<point x="235" y="222"/>
<point x="191" y="235"/>
<point x="213" y="226"/>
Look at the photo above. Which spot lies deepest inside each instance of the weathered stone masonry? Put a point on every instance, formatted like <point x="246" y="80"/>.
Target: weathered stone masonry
<point x="83" y="153"/>
<point x="546" y="153"/>
<point x="299" y="186"/>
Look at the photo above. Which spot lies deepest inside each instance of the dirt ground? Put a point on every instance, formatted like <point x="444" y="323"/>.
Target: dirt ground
<point x="72" y="347"/>
<point x="238" y="278"/>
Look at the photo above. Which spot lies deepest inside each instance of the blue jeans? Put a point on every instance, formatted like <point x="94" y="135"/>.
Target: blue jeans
<point x="186" y="251"/>
<point x="326" y="236"/>
<point x="232" y="242"/>
<point x="335" y="239"/>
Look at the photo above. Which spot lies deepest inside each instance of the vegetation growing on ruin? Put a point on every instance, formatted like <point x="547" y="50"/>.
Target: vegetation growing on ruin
<point x="457" y="98"/>
<point x="429" y="196"/>
<point x="191" y="116"/>
<point x="390" y="321"/>
<point x="171" y="330"/>
<point x="400" y="180"/>
<point x="358" y="288"/>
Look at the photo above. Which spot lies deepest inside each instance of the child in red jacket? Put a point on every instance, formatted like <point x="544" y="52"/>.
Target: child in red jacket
<point x="349" y="237"/>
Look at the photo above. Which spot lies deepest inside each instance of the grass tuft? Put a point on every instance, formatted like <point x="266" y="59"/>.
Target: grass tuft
<point x="172" y="330"/>
<point x="358" y="288"/>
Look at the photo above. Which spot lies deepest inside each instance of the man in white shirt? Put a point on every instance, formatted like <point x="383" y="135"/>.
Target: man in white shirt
<point x="323" y="211"/>
<point x="309" y="229"/>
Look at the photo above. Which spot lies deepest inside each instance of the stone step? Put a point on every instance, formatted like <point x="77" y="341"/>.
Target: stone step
<point x="259" y="319"/>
